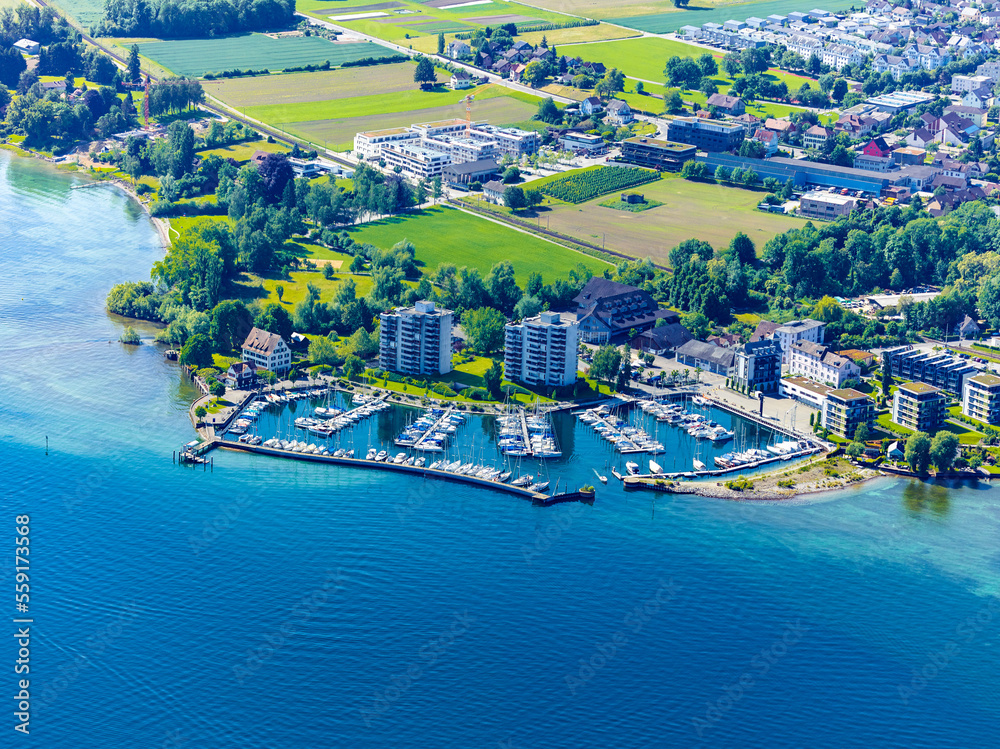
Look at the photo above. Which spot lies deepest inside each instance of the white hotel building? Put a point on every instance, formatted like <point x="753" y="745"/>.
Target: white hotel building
<point x="541" y="350"/>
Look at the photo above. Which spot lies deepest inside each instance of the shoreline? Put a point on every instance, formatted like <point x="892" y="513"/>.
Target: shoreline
<point x="161" y="225"/>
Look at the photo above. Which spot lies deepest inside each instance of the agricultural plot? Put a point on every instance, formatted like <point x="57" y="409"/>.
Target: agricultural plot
<point x="84" y="12"/>
<point x="447" y="235"/>
<point x="323" y="85"/>
<point x="666" y="22"/>
<point x="334" y="123"/>
<point x="195" y="57"/>
<point x="690" y="210"/>
<point x="582" y="186"/>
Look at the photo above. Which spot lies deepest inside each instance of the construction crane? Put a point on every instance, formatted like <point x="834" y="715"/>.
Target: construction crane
<point x="468" y="114"/>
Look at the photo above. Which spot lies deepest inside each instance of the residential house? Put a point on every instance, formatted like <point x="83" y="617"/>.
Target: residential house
<point x="619" y="113"/>
<point x="974" y="115"/>
<point x="784" y="128"/>
<point x="607" y="311"/>
<point x="493" y="191"/>
<point x="967" y="328"/>
<point x="981" y="398"/>
<point x="764" y="330"/>
<point x="267" y="351"/>
<point x="591" y="106"/>
<point x="918" y="407"/>
<point x="895" y="452"/>
<point x="817" y="362"/>
<point x="241" y="375"/>
<point x="458" y="49"/>
<point x="574" y="141"/>
<point x="707" y="356"/>
<point x="854" y="125"/>
<point x="731" y="105"/>
<point x="920" y="138"/>
<point x="980" y="98"/>
<point x="816" y="137"/>
<point x="757" y="366"/>
<point x="460" y="79"/>
<point x="769" y="139"/>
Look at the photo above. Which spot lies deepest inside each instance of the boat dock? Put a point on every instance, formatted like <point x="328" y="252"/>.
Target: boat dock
<point x="640" y="478"/>
<point x="535" y="497"/>
<point x="435" y="427"/>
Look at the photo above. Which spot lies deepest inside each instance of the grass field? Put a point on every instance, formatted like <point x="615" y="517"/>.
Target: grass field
<point x="690" y="210"/>
<point x="195" y="57"/>
<point x="447" y="235"/>
<point x="324" y="85"/>
<point x="10" y="3"/>
<point x="243" y="151"/>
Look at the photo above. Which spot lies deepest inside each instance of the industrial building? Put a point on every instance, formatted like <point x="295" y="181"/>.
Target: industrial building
<point x="707" y="135"/>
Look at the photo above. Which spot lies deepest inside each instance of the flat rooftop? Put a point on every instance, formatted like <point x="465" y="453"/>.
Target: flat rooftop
<point x="919" y="388"/>
<point x="988" y="380"/>
<point x="850" y="394"/>
<point x="664" y="145"/>
<point x="806" y="384"/>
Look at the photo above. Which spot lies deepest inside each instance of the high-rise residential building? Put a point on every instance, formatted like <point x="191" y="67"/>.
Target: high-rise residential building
<point x="937" y="369"/>
<point x="416" y="340"/>
<point x="541" y="350"/>
<point x="981" y="398"/>
<point x="918" y="406"/>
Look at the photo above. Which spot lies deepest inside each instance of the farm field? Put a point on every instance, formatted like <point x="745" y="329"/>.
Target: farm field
<point x="584" y="185"/>
<point x="10" y="3"/>
<point x="195" y="57"/>
<point x="691" y="210"/>
<point x="322" y="85"/>
<point x="335" y="123"/>
<point x="447" y="235"/>
<point x="84" y="12"/>
<point x="406" y="21"/>
<point x="671" y="20"/>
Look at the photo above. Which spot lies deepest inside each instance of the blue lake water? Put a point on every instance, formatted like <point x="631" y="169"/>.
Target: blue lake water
<point x="272" y="603"/>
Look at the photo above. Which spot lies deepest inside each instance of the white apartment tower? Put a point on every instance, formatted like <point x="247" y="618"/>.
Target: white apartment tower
<point x="541" y="350"/>
<point x="416" y="340"/>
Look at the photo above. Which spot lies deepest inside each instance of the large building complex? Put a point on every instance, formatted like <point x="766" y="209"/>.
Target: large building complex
<point x="826" y="206"/>
<point x="424" y="150"/>
<point x="608" y="311"/>
<point x="416" y="340"/>
<point x="541" y="350"/>
<point x="663" y="155"/>
<point x="918" y="407"/>
<point x="940" y="370"/>
<point x="981" y="398"/>
<point x="844" y="410"/>
<point x="707" y="135"/>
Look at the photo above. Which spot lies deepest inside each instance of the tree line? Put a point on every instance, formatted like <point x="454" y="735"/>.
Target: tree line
<point x="181" y="19"/>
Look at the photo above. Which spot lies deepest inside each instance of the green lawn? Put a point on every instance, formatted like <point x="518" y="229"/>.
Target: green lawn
<point x="296" y="289"/>
<point x="965" y="434"/>
<point x="447" y="235"/>
<point x="243" y="151"/>
<point x="195" y="57"/>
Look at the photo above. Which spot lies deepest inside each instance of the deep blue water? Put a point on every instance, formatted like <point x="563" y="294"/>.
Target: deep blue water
<point x="279" y="604"/>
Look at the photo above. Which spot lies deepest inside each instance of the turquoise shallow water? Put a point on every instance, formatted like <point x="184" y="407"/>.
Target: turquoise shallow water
<point x="277" y="604"/>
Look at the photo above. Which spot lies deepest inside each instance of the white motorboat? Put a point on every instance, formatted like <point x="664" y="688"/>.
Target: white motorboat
<point x="632" y="468"/>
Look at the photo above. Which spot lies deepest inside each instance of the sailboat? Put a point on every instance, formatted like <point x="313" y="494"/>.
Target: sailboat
<point x="655" y="467"/>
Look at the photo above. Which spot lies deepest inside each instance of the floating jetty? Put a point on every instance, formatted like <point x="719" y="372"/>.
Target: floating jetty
<point x="626" y="439"/>
<point x="525" y="493"/>
<point x="430" y="431"/>
<point x="639" y="479"/>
